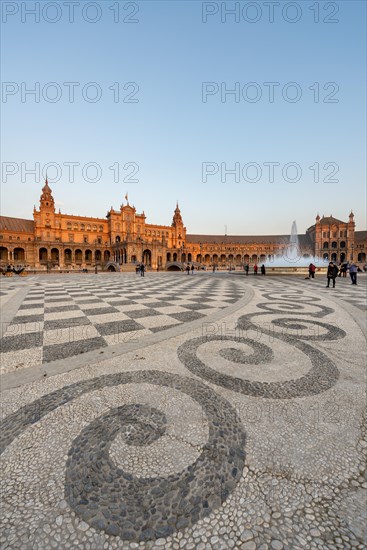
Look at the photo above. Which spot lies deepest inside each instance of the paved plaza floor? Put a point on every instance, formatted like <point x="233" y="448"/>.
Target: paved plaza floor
<point x="210" y="411"/>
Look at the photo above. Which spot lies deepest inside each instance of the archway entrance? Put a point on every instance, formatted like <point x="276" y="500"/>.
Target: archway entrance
<point x="88" y="256"/>
<point x="55" y="255"/>
<point x="3" y="254"/>
<point x="42" y="255"/>
<point x="78" y="256"/>
<point x="19" y="255"/>
<point x="147" y="257"/>
<point x="67" y="256"/>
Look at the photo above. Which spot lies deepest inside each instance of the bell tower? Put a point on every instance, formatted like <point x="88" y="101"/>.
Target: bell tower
<point x="45" y="219"/>
<point x="47" y="203"/>
<point x="179" y="231"/>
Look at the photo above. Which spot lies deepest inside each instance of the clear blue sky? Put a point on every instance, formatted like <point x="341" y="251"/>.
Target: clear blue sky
<point x="170" y="132"/>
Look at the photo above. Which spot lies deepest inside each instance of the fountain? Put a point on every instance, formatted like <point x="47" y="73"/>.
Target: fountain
<point x="292" y="257"/>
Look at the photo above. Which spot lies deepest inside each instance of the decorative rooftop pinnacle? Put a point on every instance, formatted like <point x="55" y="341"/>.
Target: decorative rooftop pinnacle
<point x="46" y="188"/>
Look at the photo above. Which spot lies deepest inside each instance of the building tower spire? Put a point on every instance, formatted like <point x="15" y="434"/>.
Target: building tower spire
<point x="46" y="199"/>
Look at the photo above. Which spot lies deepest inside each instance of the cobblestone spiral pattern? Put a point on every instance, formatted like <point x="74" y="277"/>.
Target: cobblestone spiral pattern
<point x="294" y="331"/>
<point x="117" y="502"/>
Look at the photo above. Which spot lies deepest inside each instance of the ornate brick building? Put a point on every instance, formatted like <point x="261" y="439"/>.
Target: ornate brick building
<point x="56" y="241"/>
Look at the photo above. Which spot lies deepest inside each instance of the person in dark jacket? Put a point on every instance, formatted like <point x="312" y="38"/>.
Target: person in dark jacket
<point x="262" y="269"/>
<point x="142" y="270"/>
<point x="246" y="269"/>
<point x="332" y="272"/>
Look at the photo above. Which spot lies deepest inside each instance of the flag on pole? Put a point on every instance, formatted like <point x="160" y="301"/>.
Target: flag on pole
<point x="126" y="198"/>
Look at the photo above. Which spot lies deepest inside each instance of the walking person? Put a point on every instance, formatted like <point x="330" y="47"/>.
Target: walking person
<point x="246" y="269"/>
<point x="192" y="269"/>
<point x="311" y="271"/>
<point x="262" y="269"/>
<point x="188" y="269"/>
<point x="332" y="272"/>
<point x="353" y="273"/>
<point x="142" y="270"/>
<point x="255" y="269"/>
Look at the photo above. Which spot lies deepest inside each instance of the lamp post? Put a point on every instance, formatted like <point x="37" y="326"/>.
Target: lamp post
<point x="352" y="257"/>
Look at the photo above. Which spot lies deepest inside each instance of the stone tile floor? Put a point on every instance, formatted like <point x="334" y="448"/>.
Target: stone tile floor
<point x="61" y="317"/>
<point x="243" y="428"/>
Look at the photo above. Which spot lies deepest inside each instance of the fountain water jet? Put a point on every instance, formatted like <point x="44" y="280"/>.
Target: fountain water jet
<point x="292" y="255"/>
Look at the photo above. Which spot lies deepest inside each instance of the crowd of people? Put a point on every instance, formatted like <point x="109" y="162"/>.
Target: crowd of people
<point x="246" y="267"/>
<point x="333" y="271"/>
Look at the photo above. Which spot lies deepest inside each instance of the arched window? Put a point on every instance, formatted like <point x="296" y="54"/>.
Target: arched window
<point x="43" y="254"/>
<point x="19" y="254"/>
<point x="67" y="256"/>
<point x="342" y="244"/>
<point x="334" y="244"/>
<point x="78" y="256"/>
<point x="101" y="228"/>
<point x="325" y="245"/>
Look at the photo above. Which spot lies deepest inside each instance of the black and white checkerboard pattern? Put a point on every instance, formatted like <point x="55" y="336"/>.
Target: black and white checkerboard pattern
<point x="61" y="318"/>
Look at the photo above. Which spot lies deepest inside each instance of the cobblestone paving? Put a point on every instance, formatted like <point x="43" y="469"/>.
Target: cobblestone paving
<point x="248" y="432"/>
<point x="63" y="317"/>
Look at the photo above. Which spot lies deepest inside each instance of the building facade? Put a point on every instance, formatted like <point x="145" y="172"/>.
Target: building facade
<point x="55" y="241"/>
